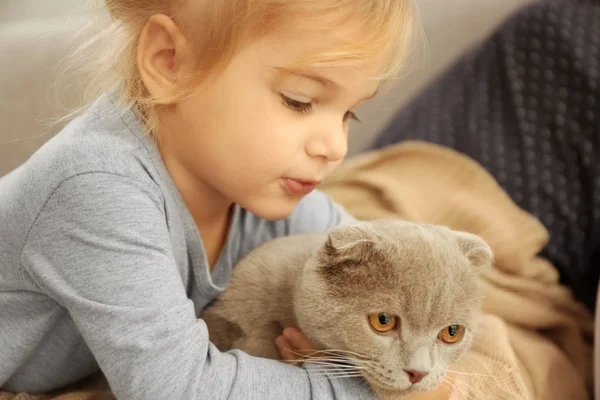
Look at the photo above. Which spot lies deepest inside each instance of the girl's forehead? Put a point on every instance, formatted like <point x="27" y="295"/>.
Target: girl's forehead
<point x="297" y="42"/>
<point x="282" y="52"/>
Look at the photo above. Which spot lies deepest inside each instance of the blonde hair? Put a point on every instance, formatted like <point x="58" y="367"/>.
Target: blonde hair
<point x="220" y="28"/>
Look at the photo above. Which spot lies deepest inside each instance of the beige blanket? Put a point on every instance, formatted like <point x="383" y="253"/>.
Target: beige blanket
<point x="534" y="340"/>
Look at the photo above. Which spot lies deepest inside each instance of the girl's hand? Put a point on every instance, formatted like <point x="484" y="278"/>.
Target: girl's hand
<point x="294" y="347"/>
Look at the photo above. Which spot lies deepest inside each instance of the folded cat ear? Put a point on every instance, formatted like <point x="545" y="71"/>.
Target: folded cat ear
<point x="350" y="243"/>
<point x="475" y="249"/>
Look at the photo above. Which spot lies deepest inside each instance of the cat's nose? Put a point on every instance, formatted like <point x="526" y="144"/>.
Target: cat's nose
<point x="415" y="376"/>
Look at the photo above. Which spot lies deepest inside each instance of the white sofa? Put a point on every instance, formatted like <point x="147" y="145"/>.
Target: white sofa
<point x="34" y="36"/>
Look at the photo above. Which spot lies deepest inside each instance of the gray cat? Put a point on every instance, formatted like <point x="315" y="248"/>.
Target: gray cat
<point x="392" y="301"/>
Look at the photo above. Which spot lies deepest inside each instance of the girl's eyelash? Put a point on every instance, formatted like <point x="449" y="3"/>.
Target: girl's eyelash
<point x="351" y="115"/>
<point x="306" y="108"/>
<point x="299" y="106"/>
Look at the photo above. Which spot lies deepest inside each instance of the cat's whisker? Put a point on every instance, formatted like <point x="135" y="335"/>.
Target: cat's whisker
<point x="449" y="383"/>
<point x="460" y="390"/>
<point x="328" y="368"/>
<point x="331" y="367"/>
<point x="494" y="381"/>
<point x="338" y="374"/>
<point x="317" y="357"/>
<point x="328" y="371"/>
<point x="340" y="351"/>
<point x="349" y="376"/>
<point x="346" y="357"/>
<point x="373" y="363"/>
<point x="446" y="388"/>
<point x="469" y="386"/>
<point x="468" y="373"/>
<point x="319" y="354"/>
<point x="335" y="366"/>
<point x="347" y="352"/>
<point x="314" y="355"/>
<point x="334" y="371"/>
<point x="328" y="358"/>
<point x="498" y="388"/>
<point x="323" y="360"/>
<point x="465" y="393"/>
<point x="349" y="361"/>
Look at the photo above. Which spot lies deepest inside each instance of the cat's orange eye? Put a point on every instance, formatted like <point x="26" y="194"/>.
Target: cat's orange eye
<point x="382" y="322"/>
<point x="452" y="334"/>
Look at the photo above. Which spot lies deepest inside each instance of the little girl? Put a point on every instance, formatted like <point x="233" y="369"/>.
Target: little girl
<point x="117" y="233"/>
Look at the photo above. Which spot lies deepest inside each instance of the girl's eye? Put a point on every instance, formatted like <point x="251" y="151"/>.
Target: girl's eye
<point x="382" y="322"/>
<point x="299" y="106"/>
<point x="452" y="334"/>
<point x="306" y="108"/>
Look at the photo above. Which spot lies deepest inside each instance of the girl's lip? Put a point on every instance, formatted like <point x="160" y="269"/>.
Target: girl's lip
<point x="299" y="187"/>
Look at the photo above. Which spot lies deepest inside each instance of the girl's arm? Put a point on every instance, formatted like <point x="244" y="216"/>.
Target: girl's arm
<point x="101" y="249"/>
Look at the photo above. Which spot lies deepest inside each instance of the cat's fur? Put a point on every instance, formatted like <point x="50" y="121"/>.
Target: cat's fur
<point x="327" y="284"/>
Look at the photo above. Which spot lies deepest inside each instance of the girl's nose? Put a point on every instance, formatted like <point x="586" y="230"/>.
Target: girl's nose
<point x="331" y="144"/>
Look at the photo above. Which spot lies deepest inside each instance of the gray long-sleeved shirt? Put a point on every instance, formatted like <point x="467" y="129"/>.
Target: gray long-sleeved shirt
<point x="102" y="266"/>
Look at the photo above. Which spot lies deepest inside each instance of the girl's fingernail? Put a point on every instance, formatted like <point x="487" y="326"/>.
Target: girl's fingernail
<point x="289" y="333"/>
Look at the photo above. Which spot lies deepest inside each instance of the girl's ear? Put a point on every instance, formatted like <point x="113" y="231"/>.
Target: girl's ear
<point x="164" y="57"/>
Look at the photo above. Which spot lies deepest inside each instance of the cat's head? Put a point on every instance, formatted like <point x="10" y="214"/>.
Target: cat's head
<point x="405" y="296"/>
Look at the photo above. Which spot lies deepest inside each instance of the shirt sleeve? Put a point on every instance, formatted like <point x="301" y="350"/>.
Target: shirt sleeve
<point x="316" y="213"/>
<point x="101" y="249"/>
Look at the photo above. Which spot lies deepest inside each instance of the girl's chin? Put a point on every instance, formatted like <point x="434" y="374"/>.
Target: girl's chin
<point x="273" y="209"/>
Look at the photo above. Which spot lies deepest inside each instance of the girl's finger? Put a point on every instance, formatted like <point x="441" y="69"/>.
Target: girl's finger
<point x="298" y="340"/>
<point x="285" y="349"/>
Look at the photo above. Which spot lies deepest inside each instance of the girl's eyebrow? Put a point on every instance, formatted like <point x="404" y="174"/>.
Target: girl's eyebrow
<point x="328" y="83"/>
<point x="317" y="78"/>
<point x="325" y="82"/>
